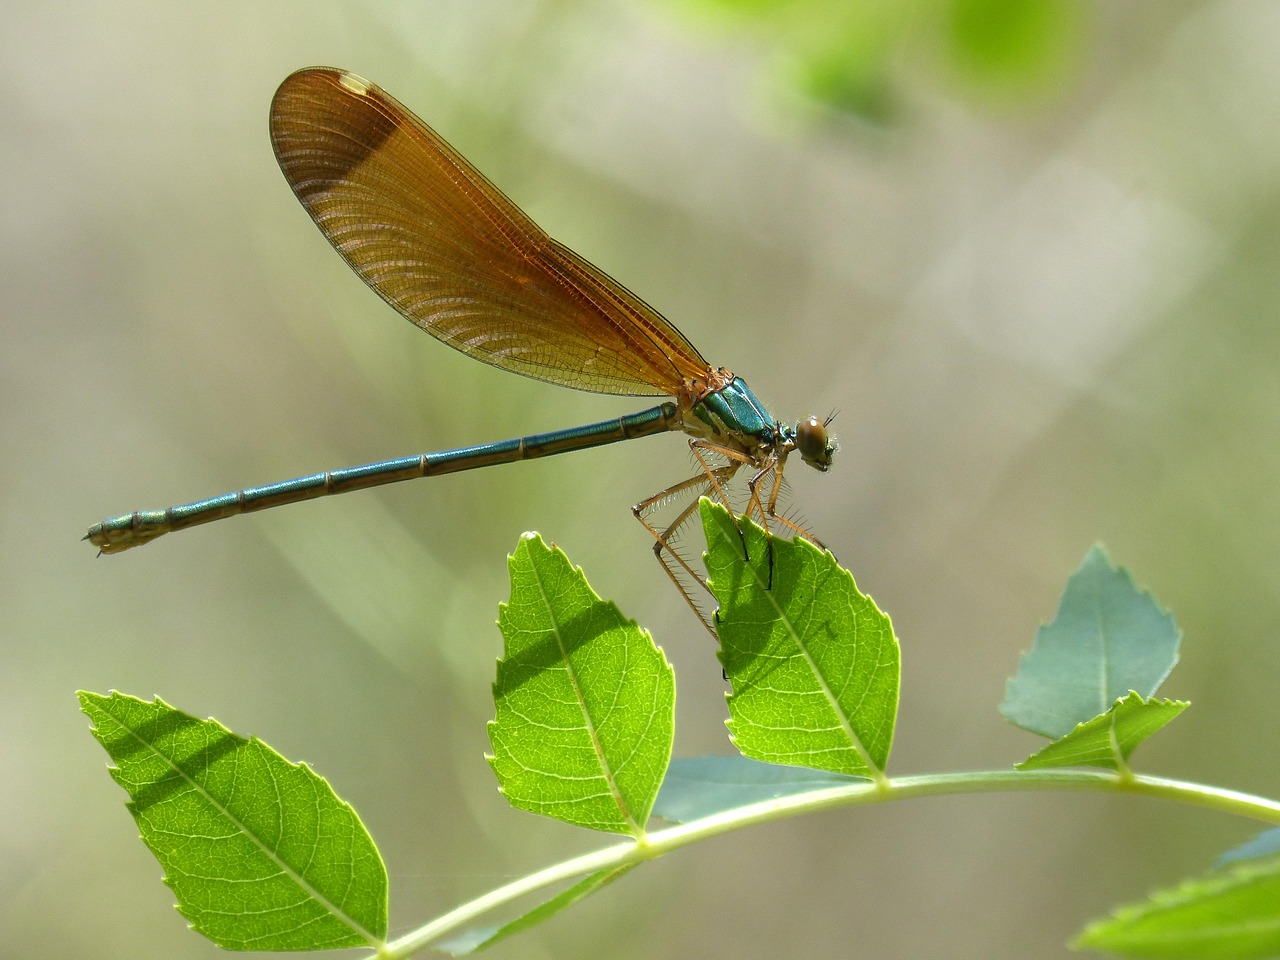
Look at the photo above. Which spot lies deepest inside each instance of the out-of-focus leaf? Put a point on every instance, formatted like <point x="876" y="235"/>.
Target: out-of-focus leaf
<point x="1015" y="44"/>
<point x="857" y="57"/>
<point x="1232" y="912"/>
<point x="1263" y="845"/>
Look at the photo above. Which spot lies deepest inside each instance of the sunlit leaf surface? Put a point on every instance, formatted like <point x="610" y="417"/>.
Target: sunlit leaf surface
<point x="1108" y="740"/>
<point x="585" y="701"/>
<point x="260" y="852"/>
<point x="814" y="663"/>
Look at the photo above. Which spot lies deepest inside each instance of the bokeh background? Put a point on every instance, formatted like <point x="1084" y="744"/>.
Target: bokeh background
<point x="1029" y="251"/>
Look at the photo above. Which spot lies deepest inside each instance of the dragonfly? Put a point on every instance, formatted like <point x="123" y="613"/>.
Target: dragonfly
<point x="452" y="254"/>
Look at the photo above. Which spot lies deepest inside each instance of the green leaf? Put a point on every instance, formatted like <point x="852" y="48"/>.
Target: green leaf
<point x="814" y="664"/>
<point x="260" y="852"/>
<point x="585" y="701"/>
<point x="1108" y="740"/>
<point x="1107" y="639"/>
<point x="1233" y="912"/>
<point x="481" y="938"/>
<point x="698" y="787"/>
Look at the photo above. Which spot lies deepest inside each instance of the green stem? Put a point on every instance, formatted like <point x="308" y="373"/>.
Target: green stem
<point x="854" y="794"/>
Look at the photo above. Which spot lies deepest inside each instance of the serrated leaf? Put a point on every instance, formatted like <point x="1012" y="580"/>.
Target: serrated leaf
<point x="698" y="787"/>
<point x="1109" y="739"/>
<point x="260" y="852"/>
<point x="1108" y="638"/>
<point x="1233" y="912"/>
<point x="585" y="701"/>
<point x="482" y="938"/>
<point x="814" y="664"/>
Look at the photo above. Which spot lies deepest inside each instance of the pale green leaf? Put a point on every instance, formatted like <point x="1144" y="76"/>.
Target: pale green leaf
<point x="260" y="852"/>
<point x="814" y="664"/>
<point x="1263" y="845"/>
<point x="1233" y="912"/>
<point x="585" y="701"/>
<point x="1108" y="740"/>
<point x="702" y="786"/>
<point x="1108" y="638"/>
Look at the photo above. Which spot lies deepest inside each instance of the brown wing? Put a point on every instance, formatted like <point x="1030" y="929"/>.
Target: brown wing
<point x="442" y="245"/>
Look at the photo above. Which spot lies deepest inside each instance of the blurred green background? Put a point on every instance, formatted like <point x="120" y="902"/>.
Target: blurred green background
<point x="1028" y="251"/>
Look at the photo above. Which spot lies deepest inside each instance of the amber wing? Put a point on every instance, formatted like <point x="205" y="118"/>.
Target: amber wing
<point x="447" y="249"/>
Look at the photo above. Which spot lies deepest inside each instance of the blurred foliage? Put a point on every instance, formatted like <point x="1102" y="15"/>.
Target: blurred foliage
<point x="850" y="56"/>
<point x="1045" y="309"/>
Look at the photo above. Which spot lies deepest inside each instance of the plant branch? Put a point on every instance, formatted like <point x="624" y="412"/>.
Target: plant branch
<point x="861" y="793"/>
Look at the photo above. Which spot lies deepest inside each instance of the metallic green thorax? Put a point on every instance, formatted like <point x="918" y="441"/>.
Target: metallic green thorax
<point x="734" y="415"/>
<point x="723" y="412"/>
<point x="734" y="411"/>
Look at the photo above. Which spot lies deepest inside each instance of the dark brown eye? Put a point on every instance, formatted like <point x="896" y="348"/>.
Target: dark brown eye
<point x="811" y="440"/>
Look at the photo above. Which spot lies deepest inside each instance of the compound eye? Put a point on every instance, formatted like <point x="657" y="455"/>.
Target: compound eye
<point x="811" y="441"/>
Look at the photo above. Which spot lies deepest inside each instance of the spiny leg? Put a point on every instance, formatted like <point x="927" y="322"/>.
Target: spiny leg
<point x="771" y="505"/>
<point x="677" y="567"/>
<point x="714" y="480"/>
<point x="767" y="509"/>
